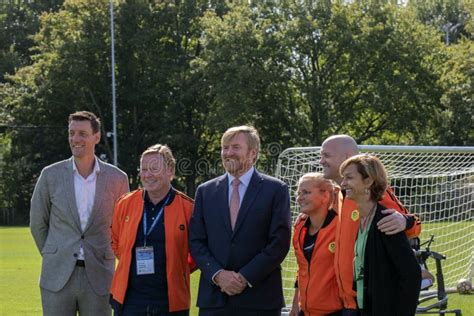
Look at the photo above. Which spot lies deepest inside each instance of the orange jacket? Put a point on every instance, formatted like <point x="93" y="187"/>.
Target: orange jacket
<point x="346" y="236"/>
<point x="317" y="285"/>
<point x="127" y="216"/>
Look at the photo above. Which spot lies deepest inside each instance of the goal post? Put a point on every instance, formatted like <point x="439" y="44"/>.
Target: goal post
<point x="436" y="183"/>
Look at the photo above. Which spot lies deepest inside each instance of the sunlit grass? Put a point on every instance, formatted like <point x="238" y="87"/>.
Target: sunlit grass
<point x="20" y="268"/>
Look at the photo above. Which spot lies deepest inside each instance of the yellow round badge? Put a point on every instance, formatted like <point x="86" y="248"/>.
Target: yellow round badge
<point x="332" y="247"/>
<point x="355" y="215"/>
<point x="127" y="218"/>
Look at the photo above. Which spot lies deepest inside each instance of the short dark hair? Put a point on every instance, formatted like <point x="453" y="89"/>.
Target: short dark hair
<point x="369" y="166"/>
<point x="86" y="116"/>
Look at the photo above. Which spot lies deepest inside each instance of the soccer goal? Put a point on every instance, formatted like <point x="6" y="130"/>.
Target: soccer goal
<point x="436" y="183"/>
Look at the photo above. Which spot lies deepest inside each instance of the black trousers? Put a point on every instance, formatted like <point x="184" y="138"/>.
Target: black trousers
<point x="339" y="313"/>
<point x="350" y="312"/>
<point x="233" y="311"/>
<point x="147" y="311"/>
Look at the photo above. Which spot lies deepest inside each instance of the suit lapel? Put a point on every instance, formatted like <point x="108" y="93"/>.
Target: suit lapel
<point x="251" y="193"/>
<point x="100" y="189"/>
<point x="222" y="201"/>
<point x="68" y="181"/>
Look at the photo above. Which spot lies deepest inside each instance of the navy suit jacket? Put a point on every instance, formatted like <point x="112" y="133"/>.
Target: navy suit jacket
<point x="256" y="247"/>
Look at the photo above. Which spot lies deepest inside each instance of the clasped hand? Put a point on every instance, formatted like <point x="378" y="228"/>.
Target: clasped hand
<point x="231" y="282"/>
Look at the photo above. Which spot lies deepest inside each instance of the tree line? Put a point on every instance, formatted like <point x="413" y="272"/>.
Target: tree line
<point x="298" y="70"/>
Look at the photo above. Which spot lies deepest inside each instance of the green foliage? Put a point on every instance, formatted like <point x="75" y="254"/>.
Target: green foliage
<point x="362" y="70"/>
<point x="247" y="81"/>
<point x="39" y="97"/>
<point x="161" y="98"/>
<point x="187" y="70"/>
<point x="452" y="18"/>
<point x="456" y="113"/>
<point x="18" y="22"/>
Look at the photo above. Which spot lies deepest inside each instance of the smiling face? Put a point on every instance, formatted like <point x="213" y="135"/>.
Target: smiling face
<point x="354" y="184"/>
<point x="82" y="139"/>
<point x="311" y="198"/>
<point x="236" y="155"/>
<point x="155" y="175"/>
<point x="331" y="159"/>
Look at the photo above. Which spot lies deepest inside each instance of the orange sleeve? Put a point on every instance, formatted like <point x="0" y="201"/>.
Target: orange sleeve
<point x="415" y="230"/>
<point x="188" y="213"/>
<point x="389" y="200"/>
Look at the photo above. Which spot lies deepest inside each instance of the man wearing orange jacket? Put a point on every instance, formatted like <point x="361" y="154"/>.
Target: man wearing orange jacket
<point x="334" y="151"/>
<point x="150" y="239"/>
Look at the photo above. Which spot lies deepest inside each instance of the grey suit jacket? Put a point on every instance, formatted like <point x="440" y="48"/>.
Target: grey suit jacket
<point x="56" y="228"/>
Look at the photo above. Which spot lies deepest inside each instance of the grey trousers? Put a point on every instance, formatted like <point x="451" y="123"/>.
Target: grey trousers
<point x="76" y="296"/>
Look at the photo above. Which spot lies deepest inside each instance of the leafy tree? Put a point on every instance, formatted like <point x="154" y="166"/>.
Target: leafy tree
<point x="66" y="75"/>
<point x="158" y="95"/>
<point x="162" y="98"/>
<point x="18" y="22"/>
<point x="450" y="17"/>
<point x="248" y="82"/>
<point x="456" y="113"/>
<point x="187" y="70"/>
<point x="361" y="69"/>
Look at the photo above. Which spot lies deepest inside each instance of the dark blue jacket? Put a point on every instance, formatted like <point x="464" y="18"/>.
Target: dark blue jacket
<point x="256" y="248"/>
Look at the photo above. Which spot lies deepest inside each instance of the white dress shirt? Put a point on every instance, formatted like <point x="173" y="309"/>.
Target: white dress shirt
<point x="84" y="189"/>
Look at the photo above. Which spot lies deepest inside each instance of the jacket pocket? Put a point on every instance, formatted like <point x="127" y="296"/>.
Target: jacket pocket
<point x="49" y="249"/>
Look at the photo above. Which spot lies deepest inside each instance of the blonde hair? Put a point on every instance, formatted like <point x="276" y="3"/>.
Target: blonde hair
<point x="320" y="181"/>
<point x="253" y="139"/>
<point x="164" y="151"/>
<point x="369" y="166"/>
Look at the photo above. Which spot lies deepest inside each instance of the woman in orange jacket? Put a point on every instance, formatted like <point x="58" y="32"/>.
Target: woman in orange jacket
<point x="150" y="240"/>
<point x="316" y="293"/>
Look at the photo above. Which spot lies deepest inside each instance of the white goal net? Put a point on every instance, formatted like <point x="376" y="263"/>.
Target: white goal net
<point x="436" y="183"/>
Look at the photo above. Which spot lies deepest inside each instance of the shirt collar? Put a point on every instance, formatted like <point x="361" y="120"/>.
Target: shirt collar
<point x="329" y="217"/>
<point x="149" y="203"/>
<point x="244" y="179"/>
<point x="96" y="165"/>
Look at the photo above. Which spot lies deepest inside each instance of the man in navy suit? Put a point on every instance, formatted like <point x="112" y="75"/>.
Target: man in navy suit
<point x="240" y="233"/>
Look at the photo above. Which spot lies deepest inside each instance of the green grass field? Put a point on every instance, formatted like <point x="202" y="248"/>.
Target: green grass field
<point x="20" y="267"/>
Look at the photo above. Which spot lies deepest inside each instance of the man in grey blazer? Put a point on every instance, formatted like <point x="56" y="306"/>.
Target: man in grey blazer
<point x="70" y="219"/>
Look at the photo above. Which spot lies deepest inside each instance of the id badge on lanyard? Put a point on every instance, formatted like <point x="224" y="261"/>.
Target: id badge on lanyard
<point x="145" y="255"/>
<point x="145" y="260"/>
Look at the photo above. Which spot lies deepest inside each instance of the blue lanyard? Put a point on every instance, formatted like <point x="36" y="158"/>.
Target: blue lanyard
<point x="157" y="218"/>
